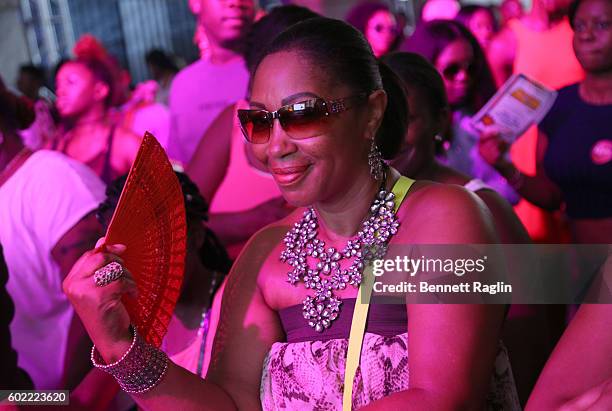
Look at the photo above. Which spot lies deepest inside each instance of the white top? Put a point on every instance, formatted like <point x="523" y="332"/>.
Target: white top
<point x="476" y="184"/>
<point x="197" y="95"/>
<point x="42" y="201"/>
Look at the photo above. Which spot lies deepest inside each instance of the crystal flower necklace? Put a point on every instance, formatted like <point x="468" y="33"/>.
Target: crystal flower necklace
<point x="327" y="276"/>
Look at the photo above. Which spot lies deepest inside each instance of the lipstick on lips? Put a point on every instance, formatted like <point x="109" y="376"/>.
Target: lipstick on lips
<point x="288" y="175"/>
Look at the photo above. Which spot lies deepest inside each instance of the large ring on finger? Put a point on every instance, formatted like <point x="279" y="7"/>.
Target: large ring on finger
<point x="107" y="274"/>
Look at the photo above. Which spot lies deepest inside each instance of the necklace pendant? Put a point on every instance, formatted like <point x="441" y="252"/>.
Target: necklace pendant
<point x="327" y="275"/>
<point x="321" y="313"/>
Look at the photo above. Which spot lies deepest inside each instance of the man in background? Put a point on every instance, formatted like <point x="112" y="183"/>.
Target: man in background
<point x="219" y="78"/>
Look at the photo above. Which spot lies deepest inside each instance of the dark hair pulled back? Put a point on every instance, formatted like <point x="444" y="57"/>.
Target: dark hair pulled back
<point x="340" y="50"/>
<point x="415" y="71"/>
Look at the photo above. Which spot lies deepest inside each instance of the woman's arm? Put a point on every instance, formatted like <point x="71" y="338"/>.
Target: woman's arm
<point x="507" y="224"/>
<point x="247" y="326"/>
<point x="238" y="227"/>
<point x="538" y="189"/>
<point x="451" y="348"/>
<point x="215" y="313"/>
<point x="209" y="163"/>
<point x="247" y="329"/>
<point x="598" y="398"/>
<point x="579" y="363"/>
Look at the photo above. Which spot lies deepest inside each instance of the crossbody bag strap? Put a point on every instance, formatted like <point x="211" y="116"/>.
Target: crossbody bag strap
<point x="362" y="304"/>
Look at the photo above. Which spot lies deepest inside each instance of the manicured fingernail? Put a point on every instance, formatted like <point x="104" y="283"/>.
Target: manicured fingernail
<point x="116" y="248"/>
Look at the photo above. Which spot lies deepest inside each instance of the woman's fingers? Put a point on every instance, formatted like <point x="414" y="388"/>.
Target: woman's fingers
<point x="121" y="286"/>
<point x="99" y="303"/>
<point x="131" y="287"/>
<point x="113" y="248"/>
<point x="116" y="248"/>
<point x="84" y="270"/>
<point x="100" y="242"/>
<point x="99" y="260"/>
<point x="492" y="148"/>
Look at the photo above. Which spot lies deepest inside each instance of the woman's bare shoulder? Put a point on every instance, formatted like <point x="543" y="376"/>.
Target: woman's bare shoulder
<point x="435" y="212"/>
<point x="271" y="235"/>
<point x="438" y="199"/>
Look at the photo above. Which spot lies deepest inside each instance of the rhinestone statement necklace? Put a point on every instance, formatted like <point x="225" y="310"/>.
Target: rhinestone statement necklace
<point x="327" y="276"/>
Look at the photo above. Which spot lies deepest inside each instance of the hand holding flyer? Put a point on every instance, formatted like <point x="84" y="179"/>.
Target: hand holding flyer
<point x="518" y="104"/>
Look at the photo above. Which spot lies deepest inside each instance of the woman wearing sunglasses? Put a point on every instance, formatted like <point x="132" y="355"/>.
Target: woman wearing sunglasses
<point x="378" y="25"/>
<point x="428" y="112"/>
<point x="455" y="52"/>
<point x="574" y="146"/>
<point x="427" y="116"/>
<point x="320" y="120"/>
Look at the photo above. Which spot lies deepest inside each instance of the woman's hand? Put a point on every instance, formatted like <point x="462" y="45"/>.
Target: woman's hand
<point x="493" y="148"/>
<point x="99" y="307"/>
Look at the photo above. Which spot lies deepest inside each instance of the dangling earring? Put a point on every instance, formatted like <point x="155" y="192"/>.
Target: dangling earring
<point x="375" y="161"/>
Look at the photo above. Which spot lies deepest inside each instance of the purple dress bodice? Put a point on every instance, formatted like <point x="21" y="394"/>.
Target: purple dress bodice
<point x="383" y="319"/>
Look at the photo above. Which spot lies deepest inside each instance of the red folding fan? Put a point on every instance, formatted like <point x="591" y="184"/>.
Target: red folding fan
<point x="150" y="221"/>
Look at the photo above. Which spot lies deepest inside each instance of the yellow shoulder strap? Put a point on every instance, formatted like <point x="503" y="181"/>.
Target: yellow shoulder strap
<point x="360" y="314"/>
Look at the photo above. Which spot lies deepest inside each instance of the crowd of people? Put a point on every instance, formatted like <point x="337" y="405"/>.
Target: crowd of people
<point x="373" y="130"/>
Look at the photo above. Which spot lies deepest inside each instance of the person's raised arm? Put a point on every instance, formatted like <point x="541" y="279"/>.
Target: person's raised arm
<point x="451" y="348"/>
<point x="248" y="326"/>
<point x="247" y="329"/>
<point x="578" y="374"/>
<point x="538" y="189"/>
<point x="209" y="163"/>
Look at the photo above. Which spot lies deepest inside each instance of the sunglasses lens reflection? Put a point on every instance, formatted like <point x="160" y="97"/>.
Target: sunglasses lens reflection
<point x="379" y="28"/>
<point x="255" y="125"/>
<point x="300" y="120"/>
<point x="451" y="71"/>
<point x="304" y="120"/>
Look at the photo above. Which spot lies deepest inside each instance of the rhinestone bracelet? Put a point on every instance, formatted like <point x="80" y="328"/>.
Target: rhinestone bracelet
<point x="140" y="369"/>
